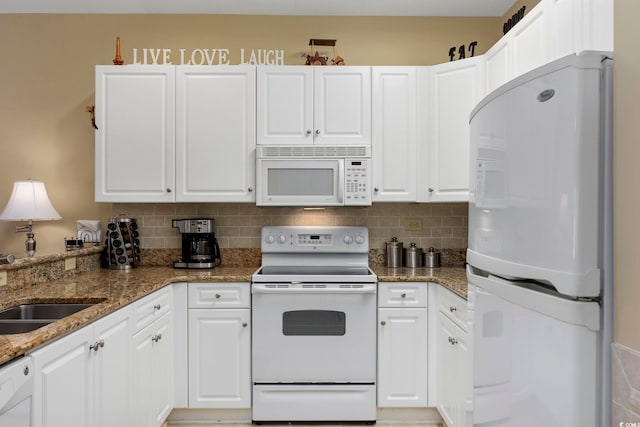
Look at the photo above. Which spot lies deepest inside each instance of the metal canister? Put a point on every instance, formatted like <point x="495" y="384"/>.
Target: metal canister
<point x="431" y="258"/>
<point x="414" y="256"/>
<point x="394" y="253"/>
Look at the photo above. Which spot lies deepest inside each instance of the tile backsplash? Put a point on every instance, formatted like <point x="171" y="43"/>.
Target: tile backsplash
<point x="238" y="225"/>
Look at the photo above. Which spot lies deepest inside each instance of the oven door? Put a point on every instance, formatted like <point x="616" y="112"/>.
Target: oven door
<point x="300" y="182"/>
<point x="314" y="333"/>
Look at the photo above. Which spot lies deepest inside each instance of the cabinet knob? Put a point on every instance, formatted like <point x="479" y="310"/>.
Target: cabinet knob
<point x="453" y="341"/>
<point x="403" y="295"/>
<point x="250" y="189"/>
<point x="156" y="307"/>
<point x="376" y="189"/>
<point x="452" y="308"/>
<point x="156" y="337"/>
<point x="382" y="322"/>
<point x="218" y="296"/>
<point x="317" y="131"/>
<point x="430" y="190"/>
<point x="244" y="324"/>
<point x="168" y="190"/>
<point x="308" y="131"/>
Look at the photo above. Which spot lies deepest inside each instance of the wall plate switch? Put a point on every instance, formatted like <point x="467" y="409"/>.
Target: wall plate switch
<point x="412" y="224"/>
<point x="69" y="263"/>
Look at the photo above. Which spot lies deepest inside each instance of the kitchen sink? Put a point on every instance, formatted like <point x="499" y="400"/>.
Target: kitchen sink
<point x="52" y="311"/>
<point x="8" y="327"/>
<point x="28" y="317"/>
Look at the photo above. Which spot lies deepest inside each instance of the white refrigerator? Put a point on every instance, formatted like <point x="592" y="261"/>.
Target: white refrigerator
<point x="539" y="261"/>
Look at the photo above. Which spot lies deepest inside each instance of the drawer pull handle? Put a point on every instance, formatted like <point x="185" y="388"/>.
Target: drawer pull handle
<point x="96" y="346"/>
<point x="452" y="308"/>
<point x="156" y="307"/>
<point x="218" y="296"/>
<point x="403" y="295"/>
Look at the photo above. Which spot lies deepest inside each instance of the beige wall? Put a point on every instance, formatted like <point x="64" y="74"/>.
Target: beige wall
<point x="627" y="173"/>
<point x="47" y="79"/>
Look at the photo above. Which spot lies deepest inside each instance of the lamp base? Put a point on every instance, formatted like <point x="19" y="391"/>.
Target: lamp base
<point x="30" y="244"/>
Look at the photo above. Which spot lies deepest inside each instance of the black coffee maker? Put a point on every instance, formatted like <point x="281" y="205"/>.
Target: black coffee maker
<point x="199" y="245"/>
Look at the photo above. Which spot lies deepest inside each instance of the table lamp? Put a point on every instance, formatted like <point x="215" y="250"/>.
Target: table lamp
<point x="29" y="202"/>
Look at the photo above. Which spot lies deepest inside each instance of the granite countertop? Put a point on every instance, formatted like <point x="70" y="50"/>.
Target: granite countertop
<point x="112" y="289"/>
<point x="452" y="278"/>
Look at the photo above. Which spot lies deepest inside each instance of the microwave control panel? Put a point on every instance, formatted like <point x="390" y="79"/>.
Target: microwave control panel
<point x="357" y="182"/>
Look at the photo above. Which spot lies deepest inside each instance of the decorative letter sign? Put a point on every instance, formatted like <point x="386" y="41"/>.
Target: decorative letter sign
<point x="159" y="56"/>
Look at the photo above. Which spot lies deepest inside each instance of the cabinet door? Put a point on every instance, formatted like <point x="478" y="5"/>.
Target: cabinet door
<point x="162" y="363"/>
<point x="402" y="357"/>
<point x="134" y="153"/>
<point x="215" y="133"/>
<point x="285" y="105"/>
<point x="63" y="387"/>
<point x="342" y="105"/>
<point x="446" y="377"/>
<point x="453" y="91"/>
<point x="153" y="373"/>
<point x="113" y="369"/>
<point x="498" y="65"/>
<point x="393" y="99"/>
<point x="219" y="358"/>
<point x="530" y="42"/>
<point x="452" y="372"/>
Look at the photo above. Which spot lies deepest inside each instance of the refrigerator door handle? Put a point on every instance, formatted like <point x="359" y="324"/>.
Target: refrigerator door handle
<point x="524" y="294"/>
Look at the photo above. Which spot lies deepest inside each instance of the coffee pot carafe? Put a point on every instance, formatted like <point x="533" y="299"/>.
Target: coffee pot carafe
<point x="199" y="245"/>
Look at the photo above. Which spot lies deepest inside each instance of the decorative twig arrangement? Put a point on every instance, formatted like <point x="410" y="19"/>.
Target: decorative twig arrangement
<point x="92" y="110"/>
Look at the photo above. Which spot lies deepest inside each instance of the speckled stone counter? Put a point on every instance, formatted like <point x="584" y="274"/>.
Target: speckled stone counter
<point x="452" y="278"/>
<point x="110" y="289"/>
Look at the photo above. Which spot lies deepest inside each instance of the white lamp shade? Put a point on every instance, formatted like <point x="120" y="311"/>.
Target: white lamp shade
<point x="29" y="200"/>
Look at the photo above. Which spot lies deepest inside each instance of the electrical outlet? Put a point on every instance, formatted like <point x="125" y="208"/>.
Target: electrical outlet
<point x="3" y="278"/>
<point x="412" y="224"/>
<point x="69" y="263"/>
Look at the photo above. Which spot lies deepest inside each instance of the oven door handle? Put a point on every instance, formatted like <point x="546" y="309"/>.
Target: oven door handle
<point x="262" y="288"/>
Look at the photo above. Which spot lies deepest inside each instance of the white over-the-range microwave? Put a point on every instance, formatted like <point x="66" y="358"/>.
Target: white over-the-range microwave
<point x="313" y="175"/>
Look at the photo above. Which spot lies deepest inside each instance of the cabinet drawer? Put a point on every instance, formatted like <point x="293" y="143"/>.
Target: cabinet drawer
<point x="219" y="295"/>
<point x="453" y="307"/>
<point x="403" y="294"/>
<point x="151" y="307"/>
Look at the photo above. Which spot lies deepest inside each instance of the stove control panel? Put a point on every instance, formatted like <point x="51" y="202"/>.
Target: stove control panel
<point x="336" y="239"/>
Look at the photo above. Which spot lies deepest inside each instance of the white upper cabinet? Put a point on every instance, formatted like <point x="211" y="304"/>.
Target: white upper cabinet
<point x="314" y="105"/>
<point x="393" y="100"/>
<point x="551" y="30"/>
<point x="448" y="93"/>
<point x="134" y="152"/>
<point x="285" y="105"/>
<point x="215" y="133"/>
<point x="530" y="42"/>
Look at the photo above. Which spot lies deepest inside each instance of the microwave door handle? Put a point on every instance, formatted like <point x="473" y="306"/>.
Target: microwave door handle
<point x="341" y="182"/>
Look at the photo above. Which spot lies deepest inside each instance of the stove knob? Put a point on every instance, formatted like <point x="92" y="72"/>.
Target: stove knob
<point x="270" y="239"/>
<point x="282" y="239"/>
<point x="348" y="239"/>
<point x="359" y="240"/>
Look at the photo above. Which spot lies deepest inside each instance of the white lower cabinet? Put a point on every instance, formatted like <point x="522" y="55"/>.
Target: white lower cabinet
<point x="453" y="360"/>
<point x="153" y="356"/>
<point x="219" y="345"/>
<point x="84" y="378"/>
<point x="402" y="344"/>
